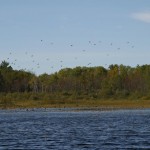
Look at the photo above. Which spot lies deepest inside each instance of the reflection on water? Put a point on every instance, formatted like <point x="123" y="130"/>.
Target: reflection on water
<point x="52" y="129"/>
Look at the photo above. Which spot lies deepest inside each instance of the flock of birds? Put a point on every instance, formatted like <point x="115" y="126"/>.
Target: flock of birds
<point x="15" y="62"/>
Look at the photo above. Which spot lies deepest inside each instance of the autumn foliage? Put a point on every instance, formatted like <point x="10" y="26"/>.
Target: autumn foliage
<point x="118" y="81"/>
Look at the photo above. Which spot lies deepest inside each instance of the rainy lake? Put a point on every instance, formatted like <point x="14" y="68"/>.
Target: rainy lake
<point x="67" y="129"/>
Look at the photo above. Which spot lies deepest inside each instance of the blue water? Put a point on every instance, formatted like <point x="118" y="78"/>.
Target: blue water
<point x="74" y="130"/>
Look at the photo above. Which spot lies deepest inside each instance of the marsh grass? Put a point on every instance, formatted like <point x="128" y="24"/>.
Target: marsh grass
<point x="59" y="100"/>
<point x="56" y="103"/>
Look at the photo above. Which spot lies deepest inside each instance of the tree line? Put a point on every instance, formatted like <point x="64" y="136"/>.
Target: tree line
<point x="118" y="81"/>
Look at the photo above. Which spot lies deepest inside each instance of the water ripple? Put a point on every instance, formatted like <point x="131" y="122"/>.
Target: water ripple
<point x="75" y="130"/>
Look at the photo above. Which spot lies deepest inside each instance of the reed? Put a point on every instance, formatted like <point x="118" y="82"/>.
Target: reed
<point x="56" y="103"/>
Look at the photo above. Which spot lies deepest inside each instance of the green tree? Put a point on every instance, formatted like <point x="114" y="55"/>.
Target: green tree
<point x="5" y="66"/>
<point x="2" y="83"/>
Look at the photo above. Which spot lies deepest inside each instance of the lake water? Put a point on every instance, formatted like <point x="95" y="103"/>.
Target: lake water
<point x="74" y="130"/>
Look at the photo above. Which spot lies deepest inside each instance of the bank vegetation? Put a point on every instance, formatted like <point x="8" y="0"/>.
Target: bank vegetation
<point x="77" y="86"/>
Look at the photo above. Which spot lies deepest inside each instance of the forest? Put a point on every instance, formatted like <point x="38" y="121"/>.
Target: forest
<point x="116" y="82"/>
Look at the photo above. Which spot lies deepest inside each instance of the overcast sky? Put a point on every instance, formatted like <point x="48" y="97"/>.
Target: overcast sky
<point x="47" y="35"/>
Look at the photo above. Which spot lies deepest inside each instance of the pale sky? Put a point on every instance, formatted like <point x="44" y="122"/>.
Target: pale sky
<point x="44" y="36"/>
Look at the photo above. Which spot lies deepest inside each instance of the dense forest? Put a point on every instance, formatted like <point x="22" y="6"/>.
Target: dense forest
<point x="118" y="81"/>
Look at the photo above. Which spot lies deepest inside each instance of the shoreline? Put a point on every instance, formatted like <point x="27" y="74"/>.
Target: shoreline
<point x="85" y="105"/>
<point x="70" y="109"/>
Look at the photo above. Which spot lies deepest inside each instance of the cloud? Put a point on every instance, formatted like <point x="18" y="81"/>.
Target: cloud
<point x="142" y="16"/>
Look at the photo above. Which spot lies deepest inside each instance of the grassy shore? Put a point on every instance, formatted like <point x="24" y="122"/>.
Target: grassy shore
<point x="89" y="104"/>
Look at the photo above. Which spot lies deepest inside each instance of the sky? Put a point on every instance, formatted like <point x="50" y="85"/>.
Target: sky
<point x="44" y="36"/>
